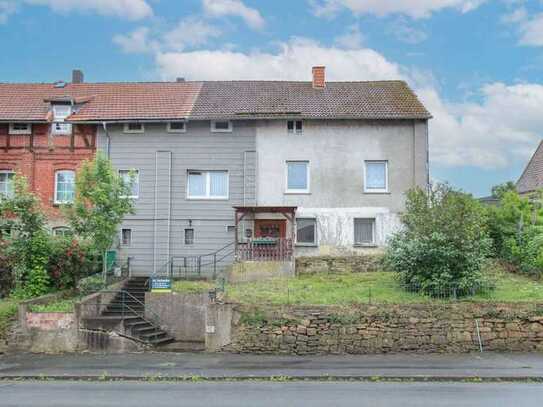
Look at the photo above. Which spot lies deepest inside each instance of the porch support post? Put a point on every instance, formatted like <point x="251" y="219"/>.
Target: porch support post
<point x="238" y="219"/>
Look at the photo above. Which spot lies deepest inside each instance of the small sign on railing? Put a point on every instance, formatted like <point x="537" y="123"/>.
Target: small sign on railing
<point x="161" y="285"/>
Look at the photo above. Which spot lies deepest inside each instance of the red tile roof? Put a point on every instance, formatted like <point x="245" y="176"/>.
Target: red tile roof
<point x="100" y="101"/>
<point x="213" y="100"/>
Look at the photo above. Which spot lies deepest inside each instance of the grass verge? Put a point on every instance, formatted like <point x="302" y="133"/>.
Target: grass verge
<point x="8" y="309"/>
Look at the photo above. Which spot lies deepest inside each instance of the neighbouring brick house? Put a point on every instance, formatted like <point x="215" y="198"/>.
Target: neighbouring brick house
<point x="36" y="142"/>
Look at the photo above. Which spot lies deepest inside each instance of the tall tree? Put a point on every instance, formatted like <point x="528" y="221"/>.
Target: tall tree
<point x="101" y="202"/>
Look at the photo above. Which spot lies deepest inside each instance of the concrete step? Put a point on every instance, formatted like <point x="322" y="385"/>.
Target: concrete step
<point x="182" y="346"/>
<point x="162" y="341"/>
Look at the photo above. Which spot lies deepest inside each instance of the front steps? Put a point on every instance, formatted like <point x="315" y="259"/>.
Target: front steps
<point x="129" y="306"/>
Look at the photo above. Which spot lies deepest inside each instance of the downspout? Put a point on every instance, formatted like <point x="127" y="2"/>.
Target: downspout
<point x="414" y="153"/>
<point x="108" y="145"/>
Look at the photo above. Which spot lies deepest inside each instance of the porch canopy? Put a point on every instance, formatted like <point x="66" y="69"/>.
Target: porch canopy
<point x="289" y="212"/>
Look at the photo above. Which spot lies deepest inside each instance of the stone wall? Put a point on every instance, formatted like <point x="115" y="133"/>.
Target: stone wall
<point x="371" y="329"/>
<point x="247" y="271"/>
<point x="338" y="264"/>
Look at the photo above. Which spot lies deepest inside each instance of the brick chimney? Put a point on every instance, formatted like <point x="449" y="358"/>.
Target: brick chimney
<point x="319" y="80"/>
<point x="77" y="76"/>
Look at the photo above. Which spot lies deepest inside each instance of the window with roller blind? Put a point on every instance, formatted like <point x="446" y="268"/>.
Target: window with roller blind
<point x="364" y="231"/>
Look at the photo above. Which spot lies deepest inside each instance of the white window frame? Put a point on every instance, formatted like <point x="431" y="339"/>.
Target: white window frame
<point x="137" y="173"/>
<point x="373" y="231"/>
<point x="170" y="130"/>
<point x="315" y="241"/>
<point x="215" y="130"/>
<point x="127" y="129"/>
<point x="56" y="229"/>
<point x="57" y="202"/>
<point x="26" y="131"/>
<point x="208" y="196"/>
<point x="68" y="127"/>
<point x="3" y="193"/>
<point x="121" y="242"/>
<point x="375" y="190"/>
<point x="294" y="131"/>
<point x="308" y="178"/>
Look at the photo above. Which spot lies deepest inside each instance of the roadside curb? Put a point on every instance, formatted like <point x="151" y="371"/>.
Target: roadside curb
<point x="324" y="378"/>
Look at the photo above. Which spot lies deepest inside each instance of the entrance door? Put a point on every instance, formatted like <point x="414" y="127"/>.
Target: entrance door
<point x="275" y="228"/>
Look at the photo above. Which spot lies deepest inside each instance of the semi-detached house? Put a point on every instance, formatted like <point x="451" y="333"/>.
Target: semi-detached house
<point x="294" y="168"/>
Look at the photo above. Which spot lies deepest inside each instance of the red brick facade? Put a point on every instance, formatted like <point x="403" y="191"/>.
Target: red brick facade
<point x="39" y="155"/>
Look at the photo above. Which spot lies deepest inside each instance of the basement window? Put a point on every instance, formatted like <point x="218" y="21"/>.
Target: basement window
<point x="295" y="126"/>
<point x="134" y="128"/>
<point x="306" y="231"/>
<point x="20" y="128"/>
<point x="62" y="231"/>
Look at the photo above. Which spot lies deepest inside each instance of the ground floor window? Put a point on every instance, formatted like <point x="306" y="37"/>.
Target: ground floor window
<point x="6" y="184"/>
<point x="189" y="236"/>
<point x="306" y="231"/>
<point x="126" y="237"/>
<point x="364" y="231"/>
<point x="64" y="187"/>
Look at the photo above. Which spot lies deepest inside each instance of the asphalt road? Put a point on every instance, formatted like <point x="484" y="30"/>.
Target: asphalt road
<point x="314" y="394"/>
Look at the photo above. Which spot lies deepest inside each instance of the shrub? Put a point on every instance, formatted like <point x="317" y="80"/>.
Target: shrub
<point x="91" y="284"/>
<point x="443" y="243"/>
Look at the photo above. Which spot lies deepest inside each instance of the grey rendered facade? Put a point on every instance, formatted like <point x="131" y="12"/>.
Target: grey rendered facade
<point x="255" y="154"/>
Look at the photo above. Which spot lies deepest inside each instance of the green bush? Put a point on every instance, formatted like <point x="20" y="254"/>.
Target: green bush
<point x="90" y="284"/>
<point x="443" y="244"/>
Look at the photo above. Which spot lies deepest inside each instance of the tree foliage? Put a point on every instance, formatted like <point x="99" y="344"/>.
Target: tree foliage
<point x="100" y="203"/>
<point x="443" y="242"/>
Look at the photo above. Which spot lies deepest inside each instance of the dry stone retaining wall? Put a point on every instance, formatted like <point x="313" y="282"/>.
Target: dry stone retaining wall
<point x="387" y="328"/>
<point x="338" y="264"/>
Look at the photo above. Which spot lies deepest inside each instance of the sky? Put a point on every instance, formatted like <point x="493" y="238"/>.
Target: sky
<point x="475" y="64"/>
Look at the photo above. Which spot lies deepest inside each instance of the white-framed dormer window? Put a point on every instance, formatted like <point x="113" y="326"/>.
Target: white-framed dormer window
<point x="295" y="126"/>
<point x="376" y="176"/>
<point x="60" y="113"/>
<point x="364" y="231"/>
<point x="207" y="184"/>
<point x="132" y="179"/>
<point x="6" y="183"/>
<point x="177" y="127"/>
<point x="64" y="187"/>
<point x="306" y="231"/>
<point x="134" y="127"/>
<point x="20" y="128"/>
<point x="221" y="126"/>
<point x="298" y="178"/>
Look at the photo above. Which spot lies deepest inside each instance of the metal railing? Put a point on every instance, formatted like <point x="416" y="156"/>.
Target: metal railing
<point x="265" y="250"/>
<point x="198" y="266"/>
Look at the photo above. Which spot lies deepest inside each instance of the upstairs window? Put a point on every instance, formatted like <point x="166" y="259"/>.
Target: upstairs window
<point x="131" y="178"/>
<point x="207" y="185"/>
<point x="295" y="126"/>
<point x="64" y="187"/>
<point x="221" y="126"/>
<point x="177" y="127"/>
<point x="20" y="128"/>
<point x="376" y="176"/>
<point x="134" y="128"/>
<point x="297" y="177"/>
<point x="60" y="113"/>
<point x="364" y="232"/>
<point x="6" y="184"/>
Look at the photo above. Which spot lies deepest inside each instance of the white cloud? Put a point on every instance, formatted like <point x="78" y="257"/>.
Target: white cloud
<point x="219" y="8"/>
<point x="503" y="126"/>
<point x="188" y="32"/>
<point x="516" y="16"/>
<point x="129" y="9"/>
<point x="531" y="31"/>
<point x="352" y="39"/>
<point x="136" y="42"/>
<point x="404" y="32"/>
<point x="412" y="8"/>
<point x="6" y="9"/>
